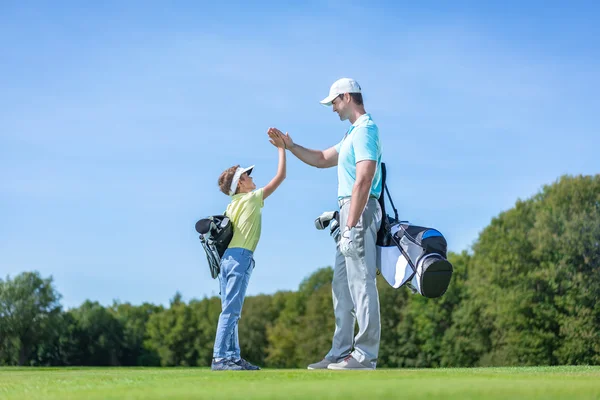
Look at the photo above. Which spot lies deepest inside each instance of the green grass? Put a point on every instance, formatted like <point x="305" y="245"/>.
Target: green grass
<point x="200" y="383"/>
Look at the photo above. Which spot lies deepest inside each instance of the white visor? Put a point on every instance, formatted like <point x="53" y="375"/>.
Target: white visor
<point x="236" y="178"/>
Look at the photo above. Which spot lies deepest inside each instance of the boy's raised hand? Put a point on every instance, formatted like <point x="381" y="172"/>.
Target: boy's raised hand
<point x="276" y="138"/>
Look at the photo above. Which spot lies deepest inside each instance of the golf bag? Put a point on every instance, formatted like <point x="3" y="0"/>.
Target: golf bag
<point x="410" y="254"/>
<point x="215" y="234"/>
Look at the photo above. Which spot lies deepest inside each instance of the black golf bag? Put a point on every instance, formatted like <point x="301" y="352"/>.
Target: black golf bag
<point x="215" y="234"/>
<point x="410" y="254"/>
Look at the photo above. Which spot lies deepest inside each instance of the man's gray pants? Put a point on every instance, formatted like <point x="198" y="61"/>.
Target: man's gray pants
<point x="354" y="288"/>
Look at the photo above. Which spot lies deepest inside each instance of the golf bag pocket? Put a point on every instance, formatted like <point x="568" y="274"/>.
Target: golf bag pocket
<point x="414" y="256"/>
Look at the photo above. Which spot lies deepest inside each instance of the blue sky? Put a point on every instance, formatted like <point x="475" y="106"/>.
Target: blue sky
<point x="116" y="118"/>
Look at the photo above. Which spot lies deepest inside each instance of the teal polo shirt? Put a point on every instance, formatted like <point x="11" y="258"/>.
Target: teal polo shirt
<point x="360" y="143"/>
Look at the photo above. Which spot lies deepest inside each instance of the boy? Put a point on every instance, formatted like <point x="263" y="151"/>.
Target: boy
<point x="237" y="263"/>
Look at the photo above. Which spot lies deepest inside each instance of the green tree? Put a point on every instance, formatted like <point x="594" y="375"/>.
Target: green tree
<point x="304" y="327"/>
<point x="567" y="245"/>
<point x="282" y="334"/>
<point x="206" y="314"/>
<point x="59" y="347"/>
<point x="316" y="326"/>
<point x="174" y="334"/>
<point x="258" y="314"/>
<point x="96" y="334"/>
<point x="133" y="320"/>
<point x="29" y="306"/>
<point x="392" y="303"/>
<point x="533" y="281"/>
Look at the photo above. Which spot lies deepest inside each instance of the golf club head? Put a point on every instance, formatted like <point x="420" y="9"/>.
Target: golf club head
<point x="324" y="219"/>
<point x="204" y="226"/>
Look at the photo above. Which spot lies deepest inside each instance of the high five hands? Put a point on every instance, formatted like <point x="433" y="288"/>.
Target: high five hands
<point x="278" y="139"/>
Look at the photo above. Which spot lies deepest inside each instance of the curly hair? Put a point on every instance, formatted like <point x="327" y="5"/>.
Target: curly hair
<point x="225" y="179"/>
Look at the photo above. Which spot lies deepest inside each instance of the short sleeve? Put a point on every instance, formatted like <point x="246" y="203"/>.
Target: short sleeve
<point x="257" y="198"/>
<point x="366" y="143"/>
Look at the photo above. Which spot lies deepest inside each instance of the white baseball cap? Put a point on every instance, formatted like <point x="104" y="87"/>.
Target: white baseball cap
<point x="341" y="86"/>
<point x="236" y="178"/>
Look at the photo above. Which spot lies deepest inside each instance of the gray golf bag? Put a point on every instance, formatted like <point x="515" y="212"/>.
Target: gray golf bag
<point x="414" y="256"/>
<point x="411" y="255"/>
<point x="215" y="234"/>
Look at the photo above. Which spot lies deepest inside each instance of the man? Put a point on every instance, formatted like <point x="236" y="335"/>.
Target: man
<point x="355" y="296"/>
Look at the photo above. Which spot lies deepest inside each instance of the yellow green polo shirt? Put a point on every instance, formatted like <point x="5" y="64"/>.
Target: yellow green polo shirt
<point x="245" y="211"/>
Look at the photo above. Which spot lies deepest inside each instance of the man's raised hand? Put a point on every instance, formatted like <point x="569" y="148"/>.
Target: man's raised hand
<point x="287" y="139"/>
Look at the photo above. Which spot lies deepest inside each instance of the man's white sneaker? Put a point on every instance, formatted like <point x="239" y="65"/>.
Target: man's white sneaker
<point x="349" y="363"/>
<point x="320" y="365"/>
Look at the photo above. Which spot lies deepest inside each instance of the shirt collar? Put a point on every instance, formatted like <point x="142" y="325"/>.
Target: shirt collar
<point x="358" y="121"/>
<point x="361" y="119"/>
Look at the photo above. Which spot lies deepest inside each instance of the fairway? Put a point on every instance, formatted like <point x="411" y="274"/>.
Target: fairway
<point x="199" y="383"/>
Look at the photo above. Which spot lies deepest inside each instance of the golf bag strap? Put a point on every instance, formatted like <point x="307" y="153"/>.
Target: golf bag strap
<point x="391" y="202"/>
<point x="382" y="198"/>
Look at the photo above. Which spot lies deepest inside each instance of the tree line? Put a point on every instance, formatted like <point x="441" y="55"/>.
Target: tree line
<point x="526" y="294"/>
